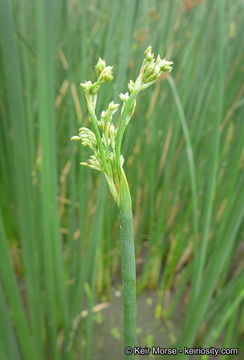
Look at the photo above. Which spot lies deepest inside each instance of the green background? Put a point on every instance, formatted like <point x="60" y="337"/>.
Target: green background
<point x="183" y="150"/>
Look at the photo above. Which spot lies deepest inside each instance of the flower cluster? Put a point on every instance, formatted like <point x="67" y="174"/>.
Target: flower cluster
<point x="104" y="75"/>
<point x="107" y="128"/>
<point x="151" y="70"/>
<point x="88" y="138"/>
<point x="105" y="141"/>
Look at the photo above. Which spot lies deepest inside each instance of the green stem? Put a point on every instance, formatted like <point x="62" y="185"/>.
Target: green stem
<point x="128" y="264"/>
<point x="123" y="119"/>
<point x="121" y="129"/>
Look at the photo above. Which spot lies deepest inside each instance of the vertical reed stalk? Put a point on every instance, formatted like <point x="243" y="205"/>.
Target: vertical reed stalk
<point x="128" y="263"/>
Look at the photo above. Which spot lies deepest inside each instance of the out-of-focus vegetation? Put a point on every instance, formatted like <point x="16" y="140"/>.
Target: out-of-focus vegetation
<point x="59" y="243"/>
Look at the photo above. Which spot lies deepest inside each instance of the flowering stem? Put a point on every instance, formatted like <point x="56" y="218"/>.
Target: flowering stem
<point x="128" y="263"/>
<point x="107" y="157"/>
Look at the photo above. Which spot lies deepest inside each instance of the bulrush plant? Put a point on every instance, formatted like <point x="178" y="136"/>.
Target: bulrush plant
<point x="105" y="143"/>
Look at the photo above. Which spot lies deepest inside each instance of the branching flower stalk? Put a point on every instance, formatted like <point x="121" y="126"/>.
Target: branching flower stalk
<point x="105" y="142"/>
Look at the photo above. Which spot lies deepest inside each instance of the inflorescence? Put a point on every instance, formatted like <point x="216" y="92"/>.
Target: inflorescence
<point x="105" y="141"/>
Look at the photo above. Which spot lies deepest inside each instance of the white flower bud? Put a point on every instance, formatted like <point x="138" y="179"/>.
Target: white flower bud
<point x="103" y="114"/>
<point x="75" y="138"/>
<point x="124" y="97"/>
<point x="112" y="107"/>
<point x="158" y="60"/>
<point x="131" y="85"/>
<point x="148" y="54"/>
<point x="86" y="85"/>
<point x="106" y="75"/>
<point x="100" y="66"/>
<point x="165" y="65"/>
<point x="94" y="167"/>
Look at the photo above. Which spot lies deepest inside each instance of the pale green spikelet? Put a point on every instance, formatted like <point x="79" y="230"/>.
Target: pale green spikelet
<point x="100" y="66"/>
<point x="75" y="138"/>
